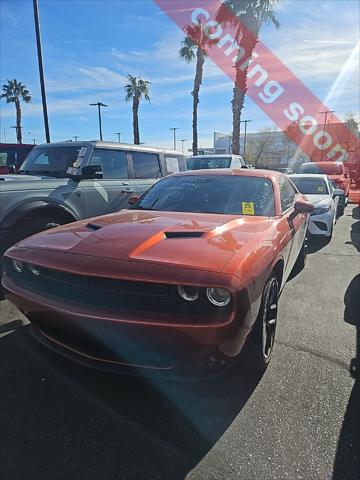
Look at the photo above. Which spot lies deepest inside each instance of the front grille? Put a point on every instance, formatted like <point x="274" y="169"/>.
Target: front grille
<point x="122" y="295"/>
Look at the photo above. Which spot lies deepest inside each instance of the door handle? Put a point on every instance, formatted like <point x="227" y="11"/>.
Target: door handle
<point x="124" y="183"/>
<point x="127" y="191"/>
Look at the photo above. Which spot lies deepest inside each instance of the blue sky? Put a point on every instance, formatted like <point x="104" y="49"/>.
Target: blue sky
<point x="90" y="46"/>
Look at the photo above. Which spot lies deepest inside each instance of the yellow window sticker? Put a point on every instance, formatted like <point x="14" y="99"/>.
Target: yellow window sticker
<point x="248" y="208"/>
<point x="320" y="189"/>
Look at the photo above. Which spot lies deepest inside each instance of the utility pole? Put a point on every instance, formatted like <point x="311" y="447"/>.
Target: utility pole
<point x="182" y="144"/>
<point x="326" y="113"/>
<point x="99" y="105"/>
<point x="41" y="70"/>
<point x="76" y="137"/>
<point x="246" y="122"/>
<point x="34" y="141"/>
<point x="174" y="133"/>
<point x="119" y="135"/>
<point x="16" y="129"/>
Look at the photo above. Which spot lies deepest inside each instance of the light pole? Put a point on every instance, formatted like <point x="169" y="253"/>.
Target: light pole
<point x="174" y="132"/>
<point x="16" y="129"/>
<point x="119" y="135"/>
<point x="99" y="105"/>
<point x="41" y="70"/>
<point x="246" y="122"/>
<point x="326" y="113"/>
<point x="76" y="137"/>
<point x="182" y="144"/>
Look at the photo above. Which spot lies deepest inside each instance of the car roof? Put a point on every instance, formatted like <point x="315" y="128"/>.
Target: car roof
<point x="308" y="175"/>
<point x="113" y="145"/>
<point x="321" y="163"/>
<point x="220" y="172"/>
<point x="216" y="155"/>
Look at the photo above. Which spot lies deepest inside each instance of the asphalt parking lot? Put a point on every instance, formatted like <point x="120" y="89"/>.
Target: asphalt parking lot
<point x="301" y="420"/>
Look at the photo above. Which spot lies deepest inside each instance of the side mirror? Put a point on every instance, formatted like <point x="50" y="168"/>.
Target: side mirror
<point x="90" y="172"/>
<point x="302" y="206"/>
<point x="338" y="192"/>
<point x="12" y="169"/>
<point x="133" y="199"/>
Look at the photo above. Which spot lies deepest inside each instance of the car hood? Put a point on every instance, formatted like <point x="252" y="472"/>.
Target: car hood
<point x="17" y="177"/>
<point x="316" y="199"/>
<point x="201" y="241"/>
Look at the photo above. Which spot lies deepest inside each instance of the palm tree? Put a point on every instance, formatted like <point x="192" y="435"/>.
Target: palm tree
<point x="195" y="46"/>
<point x="136" y="89"/>
<point x="252" y="14"/>
<point x="14" y="92"/>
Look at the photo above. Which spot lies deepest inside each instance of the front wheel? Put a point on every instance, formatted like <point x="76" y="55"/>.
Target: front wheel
<point x="261" y="341"/>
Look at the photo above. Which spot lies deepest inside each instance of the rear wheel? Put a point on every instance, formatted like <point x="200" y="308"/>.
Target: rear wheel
<point x="261" y="341"/>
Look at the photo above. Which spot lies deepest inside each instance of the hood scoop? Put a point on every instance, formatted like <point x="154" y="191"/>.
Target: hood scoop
<point x="183" y="234"/>
<point x="94" y="226"/>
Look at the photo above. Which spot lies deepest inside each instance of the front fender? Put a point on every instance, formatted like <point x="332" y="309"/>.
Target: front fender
<point x="27" y="207"/>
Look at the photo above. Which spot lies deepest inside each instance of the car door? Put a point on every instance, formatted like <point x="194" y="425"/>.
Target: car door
<point x="147" y="170"/>
<point x="110" y="193"/>
<point x="296" y="224"/>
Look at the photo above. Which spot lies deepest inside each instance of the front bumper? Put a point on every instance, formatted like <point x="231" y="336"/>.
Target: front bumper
<point x="321" y="225"/>
<point x="104" y="340"/>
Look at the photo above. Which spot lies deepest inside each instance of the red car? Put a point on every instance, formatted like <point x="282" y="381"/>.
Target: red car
<point x="12" y="156"/>
<point x="337" y="172"/>
<point x="177" y="283"/>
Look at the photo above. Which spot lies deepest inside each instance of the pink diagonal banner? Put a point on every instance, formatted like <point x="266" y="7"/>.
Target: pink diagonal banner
<point x="270" y="84"/>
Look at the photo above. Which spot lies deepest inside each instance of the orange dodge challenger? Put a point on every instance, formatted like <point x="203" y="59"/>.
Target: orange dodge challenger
<point x="178" y="283"/>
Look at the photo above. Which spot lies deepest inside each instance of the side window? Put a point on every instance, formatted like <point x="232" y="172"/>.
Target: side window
<point x="146" y="165"/>
<point x="287" y="194"/>
<point x="113" y="163"/>
<point x="172" y="164"/>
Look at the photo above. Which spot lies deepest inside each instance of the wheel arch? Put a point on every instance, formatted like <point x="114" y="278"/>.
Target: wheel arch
<point x="28" y="210"/>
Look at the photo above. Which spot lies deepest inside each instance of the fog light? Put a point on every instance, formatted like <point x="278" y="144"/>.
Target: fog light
<point x="18" y="266"/>
<point x="188" y="293"/>
<point x="34" y="270"/>
<point x="218" y="296"/>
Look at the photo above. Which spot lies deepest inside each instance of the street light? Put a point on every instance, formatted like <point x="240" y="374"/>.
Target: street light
<point x="16" y="130"/>
<point x="174" y="132"/>
<point x="326" y="113"/>
<point x="99" y="105"/>
<point x="182" y="144"/>
<point x="246" y="122"/>
<point x="119" y="134"/>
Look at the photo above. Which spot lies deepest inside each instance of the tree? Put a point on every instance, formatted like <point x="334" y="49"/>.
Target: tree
<point x="14" y="92"/>
<point x="259" y="148"/>
<point x="135" y="90"/>
<point x="251" y="14"/>
<point x="194" y="46"/>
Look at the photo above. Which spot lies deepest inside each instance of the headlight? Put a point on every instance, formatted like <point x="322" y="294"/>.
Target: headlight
<point x="35" y="270"/>
<point x="188" y="293"/>
<point x="320" y="210"/>
<point x="218" y="296"/>
<point x="18" y="266"/>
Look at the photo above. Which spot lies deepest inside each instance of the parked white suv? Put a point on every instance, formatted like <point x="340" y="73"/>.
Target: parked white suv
<point x="200" y="162"/>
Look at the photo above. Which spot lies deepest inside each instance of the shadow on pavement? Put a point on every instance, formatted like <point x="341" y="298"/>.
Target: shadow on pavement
<point x="347" y="459"/>
<point x="316" y="244"/>
<point x="62" y="420"/>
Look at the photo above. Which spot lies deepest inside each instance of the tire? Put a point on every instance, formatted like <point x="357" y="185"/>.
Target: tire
<point x="261" y="341"/>
<point x="32" y="226"/>
<point x="340" y="211"/>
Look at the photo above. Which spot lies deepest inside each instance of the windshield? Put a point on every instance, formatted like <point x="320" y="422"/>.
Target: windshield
<point x="311" y="186"/>
<point x="324" y="169"/>
<point x="53" y="161"/>
<point x="199" y="163"/>
<point x="231" y="195"/>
